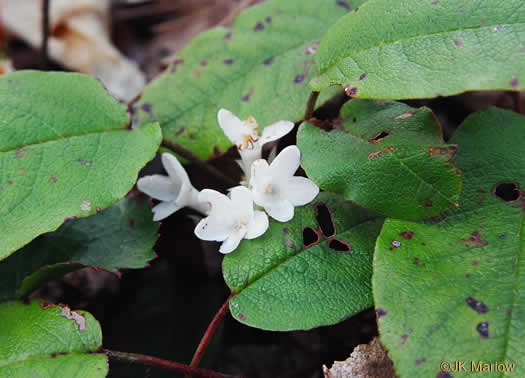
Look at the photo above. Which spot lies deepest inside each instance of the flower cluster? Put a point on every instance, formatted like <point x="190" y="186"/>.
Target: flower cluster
<point x="269" y="186"/>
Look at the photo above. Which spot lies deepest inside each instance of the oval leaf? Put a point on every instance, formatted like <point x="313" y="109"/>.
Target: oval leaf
<point x="465" y="269"/>
<point x="424" y="49"/>
<point x="44" y="340"/>
<point x="312" y="271"/>
<point x="64" y="152"/>
<point x="260" y="67"/>
<point x="121" y="236"/>
<point x="383" y="156"/>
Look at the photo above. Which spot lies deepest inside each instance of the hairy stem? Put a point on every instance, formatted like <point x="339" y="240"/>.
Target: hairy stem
<point x="164" y="364"/>
<point x="45" y="33"/>
<point x="199" y="163"/>
<point x="208" y="335"/>
<point x="310" y="105"/>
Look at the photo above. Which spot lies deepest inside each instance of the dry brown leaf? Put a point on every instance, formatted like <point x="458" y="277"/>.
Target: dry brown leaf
<point x="367" y="360"/>
<point x="79" y="39"/>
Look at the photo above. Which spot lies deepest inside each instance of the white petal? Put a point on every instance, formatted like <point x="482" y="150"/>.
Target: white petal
<point x="286" y="163"/>
<point x="257" y="226"/>
<point x="242" y="200"/>
<point x="259" y="171"/>
<point x="175" y="170"/>
<point x="248" y="156"/>
<point x="158" y="186"/>
<point x="212" y="228"/>
<point x="220" y="203"/>
<point x="234" y="128"/>
<point x="231" y="243"/>
<point x="164" y="210"/>
<point x="300" y="190"/>
<point x="275" y="131"/>
<point x="281" y="211"/>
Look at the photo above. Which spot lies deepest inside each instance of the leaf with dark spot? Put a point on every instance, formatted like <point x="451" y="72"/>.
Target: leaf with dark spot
<point x="294" y="262"/>
<point x="457" y="297"/>
<point x="325" y="220"/>
<point x="400" y="176"/>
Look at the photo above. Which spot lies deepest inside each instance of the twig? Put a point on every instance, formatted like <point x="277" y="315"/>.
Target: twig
<point x="164" y="364"/>
<point x="310" y="106"/>
<point x="198" y="162"/>
<point x="45" y="33"/>
<point x="208" y="335"/>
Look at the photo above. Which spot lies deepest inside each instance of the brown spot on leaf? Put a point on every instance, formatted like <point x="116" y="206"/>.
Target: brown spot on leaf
<point x="286" y="230"/>
<point x="380" y="312"/>
<point x="247" y="96"/>
<point x="458" y="43"/>
<point x="395" y="244"/>
<point x="416" y="261"/>
<point x="407" y="235"/>
<point x="475" y="263"/>
<point x="196" y="73"/>
<point x="443" y="374"/>
<point x="435" y="2"/>
<point x="79" y="319"/>
<point x="53" y="179"/>
<point x="374" y="155"/>
<point x="132" y="223"/>
<point x="258" y="27"/>
<point x="311" y="237"/>
<point x="479" y="307"/>
<point x="363" y="75"/>
<point x="192" y="136"/>
<point x="298" y="79"/>
<point x="448" y="151"/>
<point x="228" y="62"/>
<point x="420" y="361"/>
<point x="467" y="275"/>
<point x="343" y="4"/>
<point x="406" y="114"/>
<point x="228" y="36"/>
<point x="242" y="317"/>
<point x="339" y="245"/>
<point x="507" y="191"/>
<point x="426" y="203"/>
<point x="9" y="182"/>
<point x="180" y="131"/>
<point x="379" y="137"/>
<point x="514" y="83"/>
<point x="204" y="63"/>
<point x="19" y="152"/>
<point x="483" y="329"/>
<point x="323" y="215"/>
<point x="475" y="240"/>
<point x="269" y="61"/>
<point x="45" y="305"/>
<point x="268" y="20"/>
<point x="174" y="65"/>
<point x="310" y="50"/>
<point x="350" y="91"/>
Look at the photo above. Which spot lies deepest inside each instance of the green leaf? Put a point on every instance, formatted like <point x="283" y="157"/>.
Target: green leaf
<point x="452" y="288"/>
<point x="43" y="340"/>
<point x="422" y="49"/>
<point x="383" y="156"/>
<point x="260" y="67"/>
<point x="64" y="151"/>
<point x="282" y="284"/>
<point x="121" y="236"/>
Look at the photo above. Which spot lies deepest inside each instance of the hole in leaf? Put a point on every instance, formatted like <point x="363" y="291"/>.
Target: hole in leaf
<point x="324" y="218"/>
<point x="507" y="191"/>
<point x="379" y="137"/>
<point x="339" y="245"/>
<point x="310" y="236"/>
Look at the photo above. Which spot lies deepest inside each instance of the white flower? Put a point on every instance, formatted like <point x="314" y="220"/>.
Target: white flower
<point x="230" y="219"/>
<point x="245" y="135"/>
<point x="275" y="187"/>
<point x="175" y="190"/>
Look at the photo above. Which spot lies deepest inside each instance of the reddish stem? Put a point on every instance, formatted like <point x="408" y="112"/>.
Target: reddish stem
<point x="164" y="364"/>
<point x="208" y="335"/>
